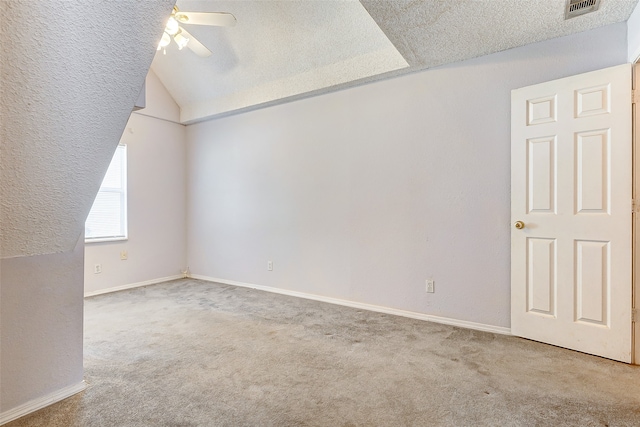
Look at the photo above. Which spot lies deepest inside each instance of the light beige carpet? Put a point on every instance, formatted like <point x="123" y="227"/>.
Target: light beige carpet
<point x="191" y="353"/>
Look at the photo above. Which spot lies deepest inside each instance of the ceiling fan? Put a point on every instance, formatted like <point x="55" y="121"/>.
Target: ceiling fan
<point x="182" y="36"/>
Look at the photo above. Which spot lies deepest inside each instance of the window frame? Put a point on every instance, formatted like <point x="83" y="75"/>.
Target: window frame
<point x="124" y="212"/>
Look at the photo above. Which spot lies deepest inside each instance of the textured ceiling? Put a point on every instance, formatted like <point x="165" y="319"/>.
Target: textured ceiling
<point x="429" y="33"/>
<point x="277" y="49"/>
<point x="70" y="72"/>
<point x="282" y="50"/>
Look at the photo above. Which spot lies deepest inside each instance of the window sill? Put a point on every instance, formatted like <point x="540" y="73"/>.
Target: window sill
<point x="105" y="240"/>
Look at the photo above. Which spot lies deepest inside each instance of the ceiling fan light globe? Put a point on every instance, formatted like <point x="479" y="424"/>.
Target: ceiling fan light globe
<point x="164" y="41"/>
<point x="181" y="41"/>
<point x="172" y="26"/>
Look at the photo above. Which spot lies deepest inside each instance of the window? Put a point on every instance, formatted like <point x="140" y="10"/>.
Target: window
<point x="108" y="217"/>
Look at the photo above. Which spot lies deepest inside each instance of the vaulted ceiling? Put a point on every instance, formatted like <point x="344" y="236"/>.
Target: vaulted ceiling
<point x="284" y="50"/>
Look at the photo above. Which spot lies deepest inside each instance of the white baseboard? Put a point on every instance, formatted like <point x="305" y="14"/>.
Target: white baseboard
<point x="363" y="306"/>
<point x="41" y="402"/>
<point x="132" y="285"/>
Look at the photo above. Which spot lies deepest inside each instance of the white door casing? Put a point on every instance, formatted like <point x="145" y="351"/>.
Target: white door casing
<point x="571" y="186"/>
<point x="636" y="217"/>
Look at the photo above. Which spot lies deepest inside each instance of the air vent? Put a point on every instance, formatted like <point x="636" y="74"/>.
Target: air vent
<point x="580" y="7"/>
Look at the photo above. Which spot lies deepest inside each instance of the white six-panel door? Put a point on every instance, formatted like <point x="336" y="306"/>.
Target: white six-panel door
<point x="571" y="182"/>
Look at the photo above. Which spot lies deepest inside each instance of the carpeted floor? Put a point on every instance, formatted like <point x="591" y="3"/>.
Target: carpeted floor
<point x="191" y="353"/>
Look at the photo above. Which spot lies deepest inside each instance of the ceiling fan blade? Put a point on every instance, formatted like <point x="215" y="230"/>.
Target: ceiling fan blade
<point x="218" y="19"/>
<point x="195" y="45"/>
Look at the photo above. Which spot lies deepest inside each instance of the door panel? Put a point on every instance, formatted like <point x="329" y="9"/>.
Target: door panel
<point x="592" y="168"/>
<point x="592" y="282"/>
<point x="571" y="177"/>
<point x="541" y="175"/>
<point x="541" y="276"/>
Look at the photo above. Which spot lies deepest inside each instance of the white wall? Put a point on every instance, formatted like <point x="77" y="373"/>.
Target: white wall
<point x="159" y="103"/>
<point x="156" y="181"/>
<point x="41" y="312"/>
<point x="633" y="35"/>
<point x="364" y="193"/>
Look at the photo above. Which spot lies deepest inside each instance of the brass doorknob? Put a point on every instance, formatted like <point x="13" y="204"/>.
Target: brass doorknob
<point x="519" y="225"/>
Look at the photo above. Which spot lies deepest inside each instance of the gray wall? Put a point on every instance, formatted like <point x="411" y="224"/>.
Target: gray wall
<point x="364" y="193"/>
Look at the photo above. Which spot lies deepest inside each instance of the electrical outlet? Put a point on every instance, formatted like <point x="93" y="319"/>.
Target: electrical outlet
<point x="430" y="286"/>
<point x="124" y="255"/>
<point x="270" y="265"/>
<point x="97" y="269"/>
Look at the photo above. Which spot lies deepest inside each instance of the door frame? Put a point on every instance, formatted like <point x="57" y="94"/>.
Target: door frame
<point x="635" y="298"/>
